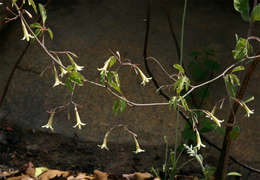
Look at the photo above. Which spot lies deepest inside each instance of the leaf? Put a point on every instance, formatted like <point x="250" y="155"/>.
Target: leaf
<point x="113" y="80"/>
<point x="31" y="3"/>
<point x="256" y="13"/>
<point x="234" y="174"/>
<point x="69" y="86"/>
<point x="112" y="61"/>
<point x="122" y="105"/>
<point x="242" y="6"/>
<point x="238" y="68"/>
<point x="184" y="103"/>
<point x="234" y="79"/>
<point x="229" y="86"/>
<point x="179" y="67"/>
<point x="234" y="133"/>
<point x="39" y="171"/>
<point x="116" y="107"/>
<point x="50" y="33"/>
<point x="242" y="48"/>
<point x="249" y="99"/>
<point x="43" y="13"/>
<point x="211" y="64"/>
<point x="188" y="134"/>
<point x="207" y="126"/>
<point x="35" y="25"/>
<point x="76" y="77"/>
<point x="37" y="32"/>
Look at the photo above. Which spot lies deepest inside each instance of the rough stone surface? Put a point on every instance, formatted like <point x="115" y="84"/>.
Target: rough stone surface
<point x="90" y="28"/>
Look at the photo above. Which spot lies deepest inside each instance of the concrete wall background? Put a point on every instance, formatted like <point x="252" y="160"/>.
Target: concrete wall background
<point x="90" y="28"/>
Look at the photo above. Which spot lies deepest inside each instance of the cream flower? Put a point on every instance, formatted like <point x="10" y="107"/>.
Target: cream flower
<point x="103" y="70"/>
<point x="104" y="144"/>
<point x="79" y="123"/>
<point x="144" y="78"/>
<point x="50" y="121"/>
<point x="26" y="35"/>
<point x="199" y="143"/>
<point x="213" y="118"/>
<point x="57" y="81"/>
<point x="137" y="146"/>
<point x="248" y="111"/>
<point x="77" y="67"/>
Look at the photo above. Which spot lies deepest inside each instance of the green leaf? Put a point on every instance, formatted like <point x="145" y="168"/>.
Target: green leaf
<point x="122" y="105"/>
<point x="116" y="107"/>
<point x="229" y="86"/>
<point x="249" y="99"/>
<point x="242" y="6"/>
<point x="220" y="130"/>
<point x="70" y="68"/>
<point x="184" y="103"/>
<point x="234" y="174"/>
<point x="113" y="80"/>
<point x="31" y="3"/>
<point x="36" y="25"/>
<point x="179" y="67"/>
<point x="50" y="33"/>
<point x="242" y="49"/>
<point x="238" y="68"/>
<point x="112" y="61"/>
<point x="234" y="79"/>
<point x="234" y="133"/>
<point x="211" y="64"/>
<point x="207" y="126"/>
<point x="43" y="13"/>
<point x="77" y="78"/>
<point x="188" y="134"/>
<point x="256" y="13"/>
<point x="37" y="32"/>
<point x="68" y="84"/>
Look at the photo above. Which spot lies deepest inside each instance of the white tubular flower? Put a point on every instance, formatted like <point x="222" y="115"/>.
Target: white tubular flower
<point x="144" y="78"/>
<point x="103" y="70"/>
<point x="57" y="80"/>
<point x="137" y="146"/>
<point x="79" y="123"/>
<point x="26" y="35"/>
<point x="104" y="144"/>
<point x="50" y="121"/>
<point x="199" y="143"/>
<point x="78" y="68"/>
<point x="62" y="70"/>
<point x="213" y="118"/>
<point x="248" y="111"/>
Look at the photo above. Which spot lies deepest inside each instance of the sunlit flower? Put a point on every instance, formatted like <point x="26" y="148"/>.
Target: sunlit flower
<point x="248" y="111"/>
<point x="57" y="80"/>
<point x="77" y="67"/>
<point x="137" y="146"/>
<point x="50" y="121"/>
<point x="213" y="118"/>
<point x="199" y="143"/>
<point x="104" y="145"/>
<point x="26" y="35"/>
<point x="79" y="123"/>
<point x="62" y="70"/>
<point x="103" y="70"/>
<point x="144" y="78"/>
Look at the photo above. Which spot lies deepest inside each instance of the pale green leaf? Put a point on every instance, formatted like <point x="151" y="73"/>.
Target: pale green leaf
<point x="31" y="3"/>
<point x="256" y="13"/>
<point x="36" y="25"/>
<point x="50" y="33"/>
<point x="179" y="67"/>
<point x="234" y="174"/>
<point x="43" y="13"/>
<point x="39" y="171"/>
<point x="238" y="68"/>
